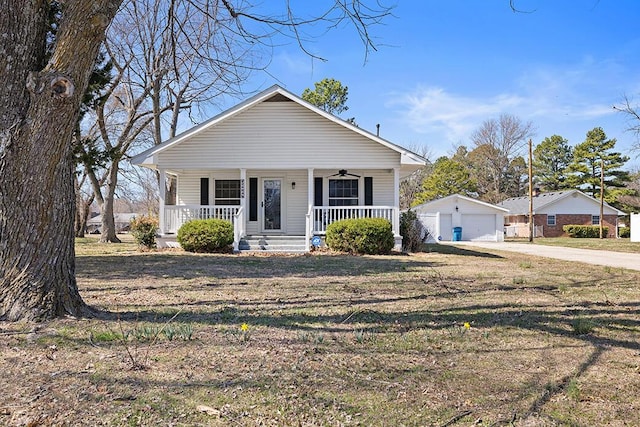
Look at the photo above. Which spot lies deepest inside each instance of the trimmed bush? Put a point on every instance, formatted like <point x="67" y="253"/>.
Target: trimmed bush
<point x="412" y="231"/>
<point x="624" y="231"/>
<point x="143" y="230"/>
<point x="206" y="235"/>
<point x="585" y="231"/>
<point x="371" y="236"/>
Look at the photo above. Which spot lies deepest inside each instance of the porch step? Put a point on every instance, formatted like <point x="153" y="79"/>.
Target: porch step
<point x="290" y="244"/>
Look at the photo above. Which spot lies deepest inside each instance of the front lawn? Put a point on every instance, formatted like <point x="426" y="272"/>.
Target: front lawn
<point x="435" y="339"/>
<point x="616" y="245"/>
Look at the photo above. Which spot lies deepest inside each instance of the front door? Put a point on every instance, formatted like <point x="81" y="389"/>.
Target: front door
<point x="271" y="204"/>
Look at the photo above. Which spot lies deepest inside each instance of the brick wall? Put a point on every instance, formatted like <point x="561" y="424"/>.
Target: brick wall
<point x="564" y="219"/>
<point x="561" y="219"/>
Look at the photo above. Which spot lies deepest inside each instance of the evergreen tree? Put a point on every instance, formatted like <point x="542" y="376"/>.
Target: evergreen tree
<point x="589" y="157"/>
<point x="329" y="95"/>
<point x="550" y="160"/>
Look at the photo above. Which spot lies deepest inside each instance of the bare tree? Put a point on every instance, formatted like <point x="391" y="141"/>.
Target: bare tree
<point x="498" y="144"/>
<point x="632" y="112"/>
<point x="41" y="100"/>
<point x="412" y="185"/>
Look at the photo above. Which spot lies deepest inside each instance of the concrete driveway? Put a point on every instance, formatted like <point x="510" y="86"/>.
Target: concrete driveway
<point x="589" y="256"/>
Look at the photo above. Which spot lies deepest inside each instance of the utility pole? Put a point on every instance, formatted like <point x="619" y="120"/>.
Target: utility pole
<point x="601" y="197"/>
<point x="531" y="226"/>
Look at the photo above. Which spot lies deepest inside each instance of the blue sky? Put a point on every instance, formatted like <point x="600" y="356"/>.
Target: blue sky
<point x="443" y="67"/>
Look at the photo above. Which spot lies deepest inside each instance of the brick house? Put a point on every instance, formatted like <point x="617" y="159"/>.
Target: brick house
<point x="554" y="210"/>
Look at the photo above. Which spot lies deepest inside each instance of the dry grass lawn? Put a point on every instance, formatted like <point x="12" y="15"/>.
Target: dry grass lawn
<point x="433" y="339"/>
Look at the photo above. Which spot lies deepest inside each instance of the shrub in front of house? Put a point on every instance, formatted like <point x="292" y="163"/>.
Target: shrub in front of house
<point x="370" y="236"/>
<point x="206" y="235"/>
<point x="143" y="230"/>
<point x="585" y="231"/>
<point x="412" y="231"/>
<point x="624" y="231"/>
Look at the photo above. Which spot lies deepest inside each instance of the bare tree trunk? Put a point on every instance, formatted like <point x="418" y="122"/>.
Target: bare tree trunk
<point x="37" y="118"/>
<point x="83" y="208"/>
<point x="108" y="222"/>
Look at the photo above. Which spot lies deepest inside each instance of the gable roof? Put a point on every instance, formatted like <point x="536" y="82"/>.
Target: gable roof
<point x="273" y="94"/>
<point x="520" y="205"/>
<point x="456" y="197"/>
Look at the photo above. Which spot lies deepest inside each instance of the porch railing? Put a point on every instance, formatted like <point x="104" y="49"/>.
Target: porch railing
<point x="322" y="216"/>
<point x="175" y="216"/>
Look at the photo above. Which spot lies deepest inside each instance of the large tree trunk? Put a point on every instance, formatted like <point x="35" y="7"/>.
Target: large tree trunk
<point x="37" y="117"/>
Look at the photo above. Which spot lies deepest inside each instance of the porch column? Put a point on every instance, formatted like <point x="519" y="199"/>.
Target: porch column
<point x="162" y="191"/>
<point x="396" y="201"/>
<point x="243" y="189"/>
<point x="396" y="211"/>
<point x="310" y="188"/>
<point x="240" y="222"/>
<point x="309" y="218"/>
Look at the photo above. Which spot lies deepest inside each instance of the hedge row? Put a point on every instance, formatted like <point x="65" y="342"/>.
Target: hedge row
<point x="585" y="231"/>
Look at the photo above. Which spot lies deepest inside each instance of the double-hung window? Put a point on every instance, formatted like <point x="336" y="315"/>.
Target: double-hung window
<point x="551" y="219"/>
<point x="227" y="192"/>
<point x="343" y="192"/>
<point x="595" y="219"/>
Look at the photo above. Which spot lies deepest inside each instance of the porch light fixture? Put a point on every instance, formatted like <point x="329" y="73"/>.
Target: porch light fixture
<point x="456" y="209"/>
<point x="293" y="185"/>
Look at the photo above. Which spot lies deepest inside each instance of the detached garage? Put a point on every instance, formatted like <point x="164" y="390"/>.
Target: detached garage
<point x="479" y="221"/>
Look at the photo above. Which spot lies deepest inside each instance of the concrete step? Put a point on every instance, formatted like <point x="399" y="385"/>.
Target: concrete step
<point x="292" y="244"/>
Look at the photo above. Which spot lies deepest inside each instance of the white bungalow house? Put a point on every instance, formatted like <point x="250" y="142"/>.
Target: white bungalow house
<point x="277" y="166"/>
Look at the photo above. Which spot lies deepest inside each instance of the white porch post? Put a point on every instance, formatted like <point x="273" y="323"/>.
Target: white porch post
<point x="310" y="198"/>
<point x="243" y="185"/>
<point x="396" y="213"/>
<point x="162" y="191"/>
<point x="239" y="223"/>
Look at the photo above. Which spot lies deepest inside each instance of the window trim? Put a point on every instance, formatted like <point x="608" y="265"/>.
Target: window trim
<point x="551" y="219"/>
<point x="225" y="201"/>
<point x="354" y="198"/>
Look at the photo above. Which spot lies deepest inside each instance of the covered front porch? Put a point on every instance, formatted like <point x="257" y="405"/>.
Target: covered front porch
<point x="278" y="203"/>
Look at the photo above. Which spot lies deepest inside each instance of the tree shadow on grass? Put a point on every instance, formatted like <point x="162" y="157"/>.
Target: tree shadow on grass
<point x="455" y="250"/>
<point x="186" y="266"/>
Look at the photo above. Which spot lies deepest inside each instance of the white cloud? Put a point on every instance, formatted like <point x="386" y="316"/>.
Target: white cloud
<point x="433" y="109"/>
<point x="550" y="97"/>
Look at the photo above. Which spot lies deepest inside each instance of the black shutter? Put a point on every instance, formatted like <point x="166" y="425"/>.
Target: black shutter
<point x="368" y="191"/>
<point x="253" y="199"/>
<point x="204" y="191"/>
<point x="317" y="191"/>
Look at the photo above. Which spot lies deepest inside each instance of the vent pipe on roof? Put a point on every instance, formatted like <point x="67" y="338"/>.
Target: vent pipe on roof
<point x="378" y="129"/>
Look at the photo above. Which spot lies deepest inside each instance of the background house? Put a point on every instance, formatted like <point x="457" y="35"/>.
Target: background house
<point x="122" y="221"/>
<point x="554" y="210"/>
<point x="277" y="166"/>
<point x="480" y="221"/>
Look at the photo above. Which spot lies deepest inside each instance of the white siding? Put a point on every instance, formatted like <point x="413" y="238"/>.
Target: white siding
<point x="282" y="135"/>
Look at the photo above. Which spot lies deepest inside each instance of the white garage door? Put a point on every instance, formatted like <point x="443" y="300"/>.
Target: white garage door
<point x="480" y="227"/>
<point x="445" y="227"/>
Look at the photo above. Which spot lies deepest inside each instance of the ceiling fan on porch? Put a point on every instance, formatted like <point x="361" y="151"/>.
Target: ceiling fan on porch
<point x="343" y="173"/>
